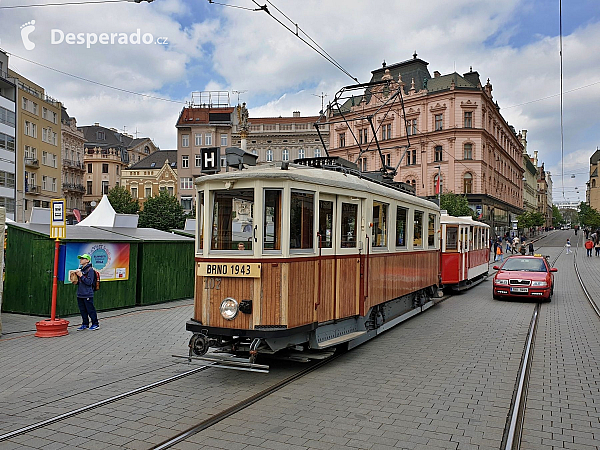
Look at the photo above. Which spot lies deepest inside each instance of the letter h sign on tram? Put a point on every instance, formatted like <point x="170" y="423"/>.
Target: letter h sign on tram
<point x="211" y="159"/>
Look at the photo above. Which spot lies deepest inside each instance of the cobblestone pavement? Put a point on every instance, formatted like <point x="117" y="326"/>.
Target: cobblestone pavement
<point x="563" y="404"/>
<point x="444" y="379"/>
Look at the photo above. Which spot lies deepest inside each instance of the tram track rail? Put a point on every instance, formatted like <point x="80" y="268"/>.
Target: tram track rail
<point x="589" y="298"/>
<point x="207" y="423"/>
<point x="100" y="403"/>
<point x="511" y="439"/>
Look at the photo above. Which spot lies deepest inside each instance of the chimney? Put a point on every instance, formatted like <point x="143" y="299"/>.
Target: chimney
<point x="296" y="113"/>
<point x="96" y="124"/>
<point x="436" y="74"/>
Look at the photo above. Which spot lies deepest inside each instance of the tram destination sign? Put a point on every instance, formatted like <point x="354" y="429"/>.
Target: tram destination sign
<point x="230" y="269"/>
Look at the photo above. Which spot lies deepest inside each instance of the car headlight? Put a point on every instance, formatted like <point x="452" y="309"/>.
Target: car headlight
<point x="539" y="283"/>
<point x="229" y="308"/>
<point x="501" y="281"/>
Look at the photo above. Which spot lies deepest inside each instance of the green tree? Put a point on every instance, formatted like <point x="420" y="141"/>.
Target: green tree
<point x="557" y="218"/>
<point x="525" y="220"/>
<point x="121" y="201"/>
<point x="537" y="219"/>
<point x="162" y="212"/>
<point x="456" y="205"/>
<point x="589" y="216"/>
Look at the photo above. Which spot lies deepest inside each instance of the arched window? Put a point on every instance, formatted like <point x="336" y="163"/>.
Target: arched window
<point x="414" y="183"/>
<point x="317" y="152"/>
<point x="285" y="155"/>
<point x="269" y="155"/>
<point x="435" y="184"/>
<point x="301" y="153"/>
<point x="468" y="183"/>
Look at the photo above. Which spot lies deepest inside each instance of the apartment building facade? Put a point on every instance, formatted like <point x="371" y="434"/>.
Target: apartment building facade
<point x="151" y="175"/>
<point x="107" y="153"/>
<point x="8" y="135"/>
<point x="284" y="138"/>
<point x="39" y="164"/>
<point x="73" y="168"/>
<point x="593" y="185"/>
<point x="454" y="128"/>
<point x="207" y="122"/>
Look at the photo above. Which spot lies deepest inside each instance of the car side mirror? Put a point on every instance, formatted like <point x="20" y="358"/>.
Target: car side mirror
<point x="553" y="269"/>
<point x="496" y="268"/>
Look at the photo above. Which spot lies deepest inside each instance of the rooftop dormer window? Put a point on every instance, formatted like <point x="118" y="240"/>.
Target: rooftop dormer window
<point x="100" y="135"/>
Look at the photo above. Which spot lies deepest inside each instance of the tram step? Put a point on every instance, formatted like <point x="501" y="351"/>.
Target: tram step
<point x="341" y="339"/>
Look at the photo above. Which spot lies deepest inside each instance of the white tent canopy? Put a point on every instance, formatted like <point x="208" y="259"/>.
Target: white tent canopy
<point x="105" y="216"/>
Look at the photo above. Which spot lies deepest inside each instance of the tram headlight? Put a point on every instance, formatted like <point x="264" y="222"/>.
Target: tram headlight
<point x="501" y="281"/>
<point x="229" y="308"/>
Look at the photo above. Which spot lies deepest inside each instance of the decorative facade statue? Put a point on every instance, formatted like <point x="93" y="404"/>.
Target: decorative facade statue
<point x="242" y="113"/>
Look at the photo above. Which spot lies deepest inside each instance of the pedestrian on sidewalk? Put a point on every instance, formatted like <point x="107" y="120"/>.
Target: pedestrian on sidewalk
<point x="589" y="245"/>
<point x="568" y="246"/>
<point x="515" y="244"/>
<point x="597" y="246"/>
<point x="531" y="248"/>
<point x="499" y="253"/>
<point x="85" y="293"/>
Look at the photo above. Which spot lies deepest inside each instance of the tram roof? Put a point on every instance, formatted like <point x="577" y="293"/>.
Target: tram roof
<point x="461" y="220"/>
<point x="311" y="175"/>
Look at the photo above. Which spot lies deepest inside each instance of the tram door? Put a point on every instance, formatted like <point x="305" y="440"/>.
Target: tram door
<point x="325" y="267"/>
<point x="349" y="242"/>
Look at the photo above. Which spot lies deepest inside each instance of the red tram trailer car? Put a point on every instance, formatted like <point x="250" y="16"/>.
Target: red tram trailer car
<point x="308" y="256"/>
<point x="465" y="251"/>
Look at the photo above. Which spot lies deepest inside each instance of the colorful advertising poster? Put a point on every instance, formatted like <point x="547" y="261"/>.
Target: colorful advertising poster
<point x="110" y="259"/>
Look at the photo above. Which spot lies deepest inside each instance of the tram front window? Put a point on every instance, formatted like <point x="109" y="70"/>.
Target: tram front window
<point x="301" y="220"/>
<point x="233" y="219"/>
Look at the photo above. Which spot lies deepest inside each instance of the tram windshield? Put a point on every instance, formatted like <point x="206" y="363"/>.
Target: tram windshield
<point x="233" y="219"/>
<point x="525" y="265"/>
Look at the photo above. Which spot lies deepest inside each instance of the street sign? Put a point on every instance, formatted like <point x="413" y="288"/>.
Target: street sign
<point x="211" y="159"/>
<point x="58" y="225"/>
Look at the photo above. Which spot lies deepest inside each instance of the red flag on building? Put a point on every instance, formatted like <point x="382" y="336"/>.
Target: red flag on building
<point x="437" y="185"/>
<point x="77" y="214"/>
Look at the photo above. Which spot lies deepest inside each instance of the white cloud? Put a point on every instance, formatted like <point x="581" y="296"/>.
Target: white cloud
<point x="243" y="50"/>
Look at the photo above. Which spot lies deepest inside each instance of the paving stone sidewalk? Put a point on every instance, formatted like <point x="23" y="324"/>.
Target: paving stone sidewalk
<point x="563" y="405"/>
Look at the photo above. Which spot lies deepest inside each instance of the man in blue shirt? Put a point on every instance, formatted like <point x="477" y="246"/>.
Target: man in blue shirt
<point x="85" y="293"/>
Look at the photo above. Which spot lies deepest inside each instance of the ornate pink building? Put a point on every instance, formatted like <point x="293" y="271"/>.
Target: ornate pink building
<point x="451" y="122"/>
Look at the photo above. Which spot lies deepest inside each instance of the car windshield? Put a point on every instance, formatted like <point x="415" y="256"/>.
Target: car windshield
<point x="525" y="265"/>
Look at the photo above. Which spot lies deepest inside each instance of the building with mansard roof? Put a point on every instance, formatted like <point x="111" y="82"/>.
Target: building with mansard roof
<point x="73" y="168"/>
<point x="450" y="124"/>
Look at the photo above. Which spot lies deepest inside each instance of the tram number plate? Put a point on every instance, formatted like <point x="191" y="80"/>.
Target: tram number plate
<point x="243" y="270"/>
<point x="518" y="289"/>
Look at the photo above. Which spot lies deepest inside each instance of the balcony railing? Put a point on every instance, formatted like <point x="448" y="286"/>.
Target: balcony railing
<point x="33" y="189"/>
<point x="32" y="162"/>
<point x="73" y="187"/>
<point x="74" y="164"/>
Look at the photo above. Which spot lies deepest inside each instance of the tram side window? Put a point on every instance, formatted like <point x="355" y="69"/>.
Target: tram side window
<point x="379" y="230"/>
<point x="301" y="220"/>
<point x="431" y="231"/>
<point x="272" y="218"/>
<point x="348" y="224"/>
<point x="233" y="220"/>
<point x="200" y="219"/>
<point x="326" y="223"/>
<point x="418" y="229"/>
<point x="401" y="214"/>
<point x="451" y="238"/>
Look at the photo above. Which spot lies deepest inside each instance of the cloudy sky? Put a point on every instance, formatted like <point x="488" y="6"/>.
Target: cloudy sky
<point x="204" y="46"/>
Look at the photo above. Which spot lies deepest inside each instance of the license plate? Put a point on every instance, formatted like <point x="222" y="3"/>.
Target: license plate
<point x="241" y="270"/>
<point x="518" y="289"/>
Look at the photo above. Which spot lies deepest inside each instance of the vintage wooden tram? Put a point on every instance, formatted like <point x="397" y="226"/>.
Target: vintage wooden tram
<point x="465" y="251"/>
<point x="308" y="256"/>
